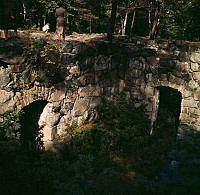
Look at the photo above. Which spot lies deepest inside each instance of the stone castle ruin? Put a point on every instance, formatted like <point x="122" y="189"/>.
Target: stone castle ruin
<point x="94" y="69"/>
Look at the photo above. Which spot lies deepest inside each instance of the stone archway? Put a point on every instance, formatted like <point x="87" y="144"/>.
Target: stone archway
<point x="31" y="137"/>
<point x="168" y="110"/>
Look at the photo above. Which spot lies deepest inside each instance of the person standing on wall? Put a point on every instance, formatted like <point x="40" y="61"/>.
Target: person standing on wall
<point x="11" y="15"/>
<point x="61" y="21"/>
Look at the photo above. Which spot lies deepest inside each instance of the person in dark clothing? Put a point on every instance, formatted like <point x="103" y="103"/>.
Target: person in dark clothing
<point x="61" y="22"/>
<point x="11" y="12"/>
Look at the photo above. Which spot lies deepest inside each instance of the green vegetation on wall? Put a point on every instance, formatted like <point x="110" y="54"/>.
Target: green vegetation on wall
<point x="10" y="126"/>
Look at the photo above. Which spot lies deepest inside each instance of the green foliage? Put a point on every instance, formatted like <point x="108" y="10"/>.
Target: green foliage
<point x="49" y="61"/>
<point x="179" y="19"/>
<point x="45" y="173"/>
<point x="43" y="57"/>
<point x="114" y="132"/>
<point x="10" y="127"/>
<point x="114" y="155"/>
<point x="125" y="116"/>
<point x="84" y="16"/>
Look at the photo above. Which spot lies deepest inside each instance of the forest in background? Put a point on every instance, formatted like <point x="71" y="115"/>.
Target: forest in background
<point x="171" y="19"/>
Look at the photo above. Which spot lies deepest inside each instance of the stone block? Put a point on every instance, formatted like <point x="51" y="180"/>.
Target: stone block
<point x="163" y="77"/>
<point x="121" y="85"/>
<point x="64" y="122"/>
<point x="196" y="127"/>
<point x="16" y="68"/>
<point x="193" y="85"/>
<point x="4" y="78"/>
<point x="149" y="91"/>
<point x="187" y="94"/>
<point x="68" y="106"/>
<point x="197" y="94"/>
<point x="185" y="118"/>
<point x="102" y="63"/>
<point x="75" y="70"/>
<point x="80" y="107"/>
<point x="48" y="133"/>
<point x="48" y="117"/>
<point x="184" y="110"/>
<point x="88" y="78"/>
<point x="194" y="67"/>
<point x="89" y="91"/>
<point x="57" y="95"/>
<point x="134" y="64"/>
<point x="149" y="77"/>
<point x="94" y="102"/>
<point x="88" y="63"/>
<point x="190" y="103"/>
<point x="71" y="96"/>
<point x="7" y="106"/>
<point x="149" y="107"/>
<point x="5" y="96"/>
<point x="135" y="73"/>
<point x="196" y="76"/>
<point x="179" y="81"/>
<point x="185" y="66"/>
<point x="153" y="61"/>
<point x="195" y="57"/>
<point x="194" y="111"/>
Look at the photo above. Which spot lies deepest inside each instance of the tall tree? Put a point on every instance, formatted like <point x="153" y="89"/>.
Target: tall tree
<point x="111" y="27"/>
<point x="154" y="17"/>
<point x="177" y="19"/>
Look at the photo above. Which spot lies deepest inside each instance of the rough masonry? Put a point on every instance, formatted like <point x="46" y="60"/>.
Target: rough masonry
<point x="88" y="71"/>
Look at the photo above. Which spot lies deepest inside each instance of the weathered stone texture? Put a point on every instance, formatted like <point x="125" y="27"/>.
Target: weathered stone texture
<point x="4" y="78"/>
<point x="195" y="57"/>
<point x="97" y="69"/>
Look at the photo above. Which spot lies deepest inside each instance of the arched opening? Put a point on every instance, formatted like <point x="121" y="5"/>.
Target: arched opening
<point x="169" y="109"/>
<point x="30" y="135"/>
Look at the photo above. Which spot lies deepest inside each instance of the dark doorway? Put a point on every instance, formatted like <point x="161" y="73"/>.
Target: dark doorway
<point x="169" y="109"/>
<point x="30" y="135"/>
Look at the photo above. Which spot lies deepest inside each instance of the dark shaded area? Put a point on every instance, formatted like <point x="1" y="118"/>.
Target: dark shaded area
<point x="141" y="27"/>
<point x="11" y="14"/>
<point x="24" y="172"/>
<point x="30" y="137"/>
<point x="92" y="163"/>
<point x="10" y="52"/>
<point x="168" y="111"/>
<point x="182" y="173"/>
<point x="166" y="66"/>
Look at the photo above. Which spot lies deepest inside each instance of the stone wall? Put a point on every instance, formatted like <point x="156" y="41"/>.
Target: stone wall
<point x="96" y="69"/>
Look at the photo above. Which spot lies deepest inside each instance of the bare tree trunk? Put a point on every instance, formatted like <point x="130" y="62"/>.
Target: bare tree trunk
<point x="90" y="25"/>
<point x="154" y="110"/>
<point x="149" y="22"/>
<point x="124" y="22"/>
<point x="112" y="20"/>
<point x="154" y="29"/>
<point x="126" y="18"/>
<point x="44" y="22"/>
<point x="133" y="21"/>
<point x="156" y="22"/>
<point x="24" y="11"/>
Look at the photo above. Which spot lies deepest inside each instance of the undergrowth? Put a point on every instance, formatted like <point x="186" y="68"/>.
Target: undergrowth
<point x="114" y="155"/>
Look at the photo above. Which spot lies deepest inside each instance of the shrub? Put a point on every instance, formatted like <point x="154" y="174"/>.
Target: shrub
<point x="114" y="132"/>
<point x="10" y="127"/>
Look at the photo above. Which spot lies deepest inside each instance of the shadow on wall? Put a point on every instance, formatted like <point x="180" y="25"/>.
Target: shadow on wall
<point x="30" y="133"/>
<point x="168" y="111"/>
